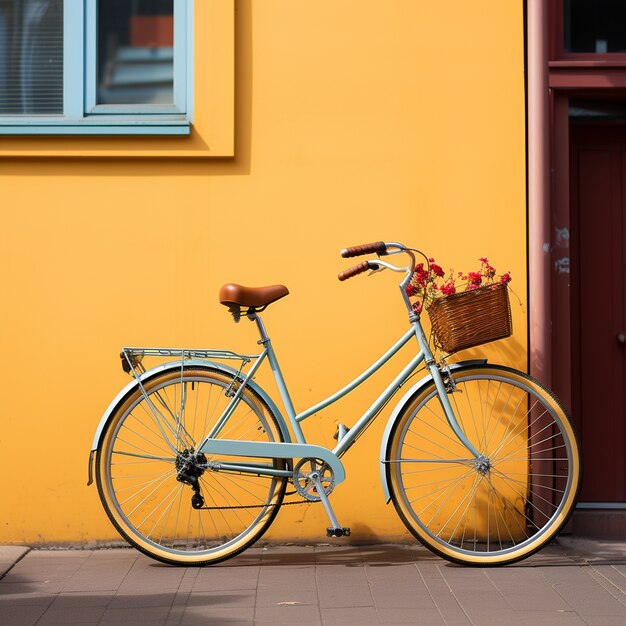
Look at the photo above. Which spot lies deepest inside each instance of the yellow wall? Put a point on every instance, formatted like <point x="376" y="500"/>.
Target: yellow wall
<point x="355" y="120"/>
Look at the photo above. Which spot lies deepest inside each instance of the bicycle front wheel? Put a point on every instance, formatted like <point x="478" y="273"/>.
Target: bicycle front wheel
<point x="510" y="501"/>
<point x="165" y="498"/>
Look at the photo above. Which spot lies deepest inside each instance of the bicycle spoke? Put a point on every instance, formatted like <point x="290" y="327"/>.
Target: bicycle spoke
<point x="521" y="484"/>
<point x="145" y="437"/>
<point x="524" y="427"/>
<point x="503" y="412"/>
<point x="534" y="494"/>
<point x="436" y="457"/>
<point x="160" y="420"/>
<point x="147" y="457"/>
<point x="430" y="425"/>
<point x="156" y="484"/>
<point x="497" y="420"/>
<point x="498" y="510"/>
<point x="144" y="485"/>
<point x="443" y="491"/>
<point x="176" y="491"/>
<point x="429" y="494"/>
<point x="469" y="496"/>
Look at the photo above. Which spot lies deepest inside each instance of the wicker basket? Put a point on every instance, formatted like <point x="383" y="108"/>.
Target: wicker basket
<point x="470" y="318"/>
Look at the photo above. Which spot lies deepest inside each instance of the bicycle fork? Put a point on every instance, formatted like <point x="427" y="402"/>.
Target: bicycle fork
<point x="442" y="389"/>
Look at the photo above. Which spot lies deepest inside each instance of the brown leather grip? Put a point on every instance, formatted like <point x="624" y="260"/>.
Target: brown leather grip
<point x="378" y="247"/>
<point x="353" y="271"/>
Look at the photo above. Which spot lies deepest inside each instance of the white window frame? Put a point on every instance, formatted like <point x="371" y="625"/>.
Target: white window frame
<point x="81" y="113"/>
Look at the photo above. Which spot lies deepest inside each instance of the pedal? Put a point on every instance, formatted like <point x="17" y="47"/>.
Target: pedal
<point x="337" y="532"/>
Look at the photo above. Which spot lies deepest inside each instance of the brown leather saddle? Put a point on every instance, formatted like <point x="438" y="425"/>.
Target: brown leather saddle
<point x="253" y="299"/>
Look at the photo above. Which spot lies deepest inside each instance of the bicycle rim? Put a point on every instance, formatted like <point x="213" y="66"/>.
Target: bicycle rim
<point x="508" y="503"/>
<point x="148" y="444"/>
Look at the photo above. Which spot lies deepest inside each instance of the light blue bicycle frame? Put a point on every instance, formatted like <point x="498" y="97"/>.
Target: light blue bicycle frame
<point x="301" y="449"/>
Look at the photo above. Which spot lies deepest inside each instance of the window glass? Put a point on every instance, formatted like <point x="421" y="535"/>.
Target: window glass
<point x="595" y="26"/>
<point x="596" y="110"/>
<point x="135" y="49"/>
<point x="31" y="57"/>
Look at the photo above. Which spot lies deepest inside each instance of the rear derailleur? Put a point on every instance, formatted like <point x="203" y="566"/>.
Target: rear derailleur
<point x="189" y="468"/>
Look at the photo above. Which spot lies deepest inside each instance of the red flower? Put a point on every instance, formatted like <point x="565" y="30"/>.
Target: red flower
<point x="475" y="278"/>
<point x="448" y="289"/>
<point x="421" y="275"/>
<point x="488" y="270"/>
<point x="434" y="268"/>
<point x="430" y="282"/>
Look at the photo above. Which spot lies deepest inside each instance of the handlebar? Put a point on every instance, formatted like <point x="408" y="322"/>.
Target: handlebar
<point x="379" y="247"/>
<point x="355" y="270"/>
<point x="382" y="248"/>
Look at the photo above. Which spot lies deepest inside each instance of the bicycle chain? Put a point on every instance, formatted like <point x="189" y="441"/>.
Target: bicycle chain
<point x="261" y="506"/>
<point x="251" y="506"/>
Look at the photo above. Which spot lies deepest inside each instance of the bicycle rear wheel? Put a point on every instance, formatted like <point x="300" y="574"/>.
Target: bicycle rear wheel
<point x="167" y="500"/>
<point x="504" y="505"/>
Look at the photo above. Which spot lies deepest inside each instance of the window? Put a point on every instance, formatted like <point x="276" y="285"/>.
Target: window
<point x="95" y="66"/>
<point x="31" y="57"/>
<point x="594" y="26"/>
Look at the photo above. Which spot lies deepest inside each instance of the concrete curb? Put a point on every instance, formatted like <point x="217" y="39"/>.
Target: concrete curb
<point x="10" y="555"/>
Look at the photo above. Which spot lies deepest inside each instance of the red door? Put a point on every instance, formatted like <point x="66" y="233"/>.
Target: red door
<point x="598" y="194"/>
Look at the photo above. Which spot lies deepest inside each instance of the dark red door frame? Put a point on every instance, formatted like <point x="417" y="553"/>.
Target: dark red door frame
<point x="554" y="77"/>
<point x="571" y="76"/>
<point x="560" y="251"/>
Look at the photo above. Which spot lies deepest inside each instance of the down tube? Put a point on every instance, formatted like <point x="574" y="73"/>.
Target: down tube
<point x="358" y="428"/>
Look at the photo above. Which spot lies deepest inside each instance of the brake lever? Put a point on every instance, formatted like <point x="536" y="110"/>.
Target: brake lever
<point x="378" y="268"/>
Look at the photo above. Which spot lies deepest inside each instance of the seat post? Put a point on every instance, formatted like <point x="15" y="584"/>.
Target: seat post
<point x="254" y="317"/>
<point x="278" y="377"/>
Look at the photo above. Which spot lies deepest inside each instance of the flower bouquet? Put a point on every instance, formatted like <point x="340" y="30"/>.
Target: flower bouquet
<point x="465" y="309"/>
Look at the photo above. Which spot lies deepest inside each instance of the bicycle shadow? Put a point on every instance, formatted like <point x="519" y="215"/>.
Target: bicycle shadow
<point x="560" y="553"/>
<point x="353" y="555"/>
<point x="592" y="551"/>
<point x="573" y="552"/>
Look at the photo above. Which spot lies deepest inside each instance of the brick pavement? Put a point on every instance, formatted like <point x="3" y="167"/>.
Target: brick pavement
<point x="573" y="582"/>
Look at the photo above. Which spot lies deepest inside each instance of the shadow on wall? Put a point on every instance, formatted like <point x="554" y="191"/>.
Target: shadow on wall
<point x="509" y="352"/>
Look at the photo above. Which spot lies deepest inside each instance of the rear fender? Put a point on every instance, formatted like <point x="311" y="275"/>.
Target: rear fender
<point x="175" y="365"/>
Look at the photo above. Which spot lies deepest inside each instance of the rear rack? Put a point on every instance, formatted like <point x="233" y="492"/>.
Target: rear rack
<point x="190" y="353"/>
<point x="132" y="357"/>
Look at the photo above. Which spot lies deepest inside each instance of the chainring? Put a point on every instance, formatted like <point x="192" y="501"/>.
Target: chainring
<point x="302" y="478"/>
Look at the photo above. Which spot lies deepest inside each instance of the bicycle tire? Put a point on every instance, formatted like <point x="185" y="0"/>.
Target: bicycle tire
<point x="144" y="447"/>
<point x="502" y="507"/>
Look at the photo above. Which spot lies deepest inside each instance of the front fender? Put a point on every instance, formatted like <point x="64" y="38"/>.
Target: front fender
<point x="406" y="398"/>
<point x="133" y="384"/>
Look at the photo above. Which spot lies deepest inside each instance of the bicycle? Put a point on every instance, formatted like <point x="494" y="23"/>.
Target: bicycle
<point x="193" y="458"/>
